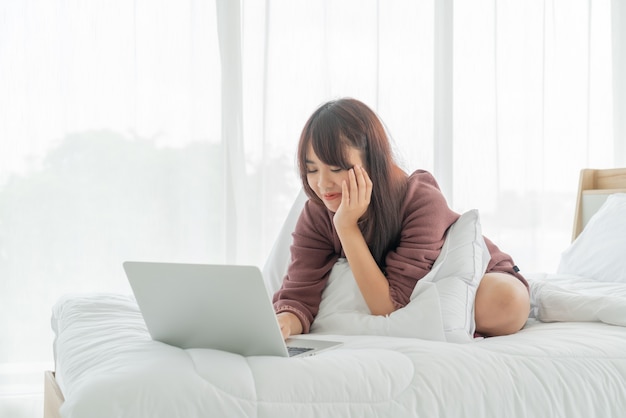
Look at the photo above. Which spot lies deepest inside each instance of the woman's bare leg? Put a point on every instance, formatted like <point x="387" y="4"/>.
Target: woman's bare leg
<point x="502" y="305"/>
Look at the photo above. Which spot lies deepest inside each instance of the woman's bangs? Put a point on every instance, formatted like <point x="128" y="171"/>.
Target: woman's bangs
<point x="329" y="144"/>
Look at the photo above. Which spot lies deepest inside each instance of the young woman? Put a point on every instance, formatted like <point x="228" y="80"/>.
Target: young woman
<point x="389" y="225"/>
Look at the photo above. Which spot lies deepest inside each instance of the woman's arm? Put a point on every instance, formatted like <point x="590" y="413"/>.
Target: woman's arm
<point x="314" y="251"/>
<point x="426" y="218"/>
<point x="355" y="199"/>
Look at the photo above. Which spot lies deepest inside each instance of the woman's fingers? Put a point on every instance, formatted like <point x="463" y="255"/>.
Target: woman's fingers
<point x="359" y="183"/>
<point x="357" y="191"/>
<point x="354" y="187"/>
<point x="364" y="184"/>
<point x="345" y="194"/>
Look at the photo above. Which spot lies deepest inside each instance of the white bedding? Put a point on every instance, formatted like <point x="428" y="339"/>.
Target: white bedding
<point x="107" y="366"/>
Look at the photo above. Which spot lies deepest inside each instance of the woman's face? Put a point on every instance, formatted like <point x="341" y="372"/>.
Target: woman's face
<point x="325" y="180"/>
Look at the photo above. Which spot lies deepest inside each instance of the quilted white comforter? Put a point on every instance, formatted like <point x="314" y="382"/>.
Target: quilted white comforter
<point x="107" y="366"/>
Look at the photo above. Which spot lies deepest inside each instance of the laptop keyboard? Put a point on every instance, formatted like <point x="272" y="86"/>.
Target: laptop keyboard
<point x="294" y="351"/>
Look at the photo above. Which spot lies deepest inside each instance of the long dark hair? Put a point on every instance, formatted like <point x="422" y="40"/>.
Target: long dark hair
<point x="348" y="122"/>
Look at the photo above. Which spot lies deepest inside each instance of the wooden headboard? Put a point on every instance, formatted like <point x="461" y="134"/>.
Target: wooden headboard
<point x="594" y="187"/>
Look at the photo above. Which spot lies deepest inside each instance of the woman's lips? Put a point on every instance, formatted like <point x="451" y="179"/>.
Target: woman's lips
<point x="331" y="196"/>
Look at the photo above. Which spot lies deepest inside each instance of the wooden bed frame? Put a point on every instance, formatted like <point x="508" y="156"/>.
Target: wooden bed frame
<point x="594" y="187"/>
<point x="53" y="398"/>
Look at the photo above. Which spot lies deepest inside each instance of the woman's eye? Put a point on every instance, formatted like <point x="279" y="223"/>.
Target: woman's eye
<point x="311" y="171"/>
<point x="336" y="170"/>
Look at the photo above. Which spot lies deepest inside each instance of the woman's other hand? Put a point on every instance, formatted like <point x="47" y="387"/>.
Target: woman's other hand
<point x="289" y="324"/>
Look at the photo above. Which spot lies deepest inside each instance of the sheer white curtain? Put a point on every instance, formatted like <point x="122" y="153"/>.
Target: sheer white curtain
<point x="166" y="130"/>
<point x="110" y="149"/>
<point x="533" y="104"/>
<point x="299" y="54"/>
<point x="505" y="101"/>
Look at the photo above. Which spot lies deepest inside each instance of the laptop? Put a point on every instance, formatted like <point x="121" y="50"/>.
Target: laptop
<point x="223" y="307"/>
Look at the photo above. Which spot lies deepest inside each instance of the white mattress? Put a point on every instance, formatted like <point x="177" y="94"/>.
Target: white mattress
<point x="107" y="366"/>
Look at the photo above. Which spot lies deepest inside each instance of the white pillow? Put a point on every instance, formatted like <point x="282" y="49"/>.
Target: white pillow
<point x="441" y="306"/>
<point x="275" y="267"/>
<point x="599" y="252"/>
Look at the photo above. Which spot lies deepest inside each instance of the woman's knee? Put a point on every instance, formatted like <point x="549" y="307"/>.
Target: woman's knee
<point x="502" y="304"/>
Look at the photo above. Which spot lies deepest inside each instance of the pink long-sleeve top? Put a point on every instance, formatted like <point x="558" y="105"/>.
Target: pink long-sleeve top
<point x="316" y="248"/>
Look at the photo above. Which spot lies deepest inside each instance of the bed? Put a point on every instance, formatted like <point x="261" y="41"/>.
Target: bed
<point x="568" y="361"/>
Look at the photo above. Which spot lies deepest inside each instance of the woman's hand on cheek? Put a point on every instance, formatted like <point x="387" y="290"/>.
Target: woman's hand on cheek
<point x="355" y="198"/>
